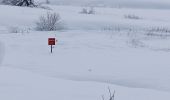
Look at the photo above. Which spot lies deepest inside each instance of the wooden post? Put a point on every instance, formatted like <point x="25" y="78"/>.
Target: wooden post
<point x="51" y="48"/>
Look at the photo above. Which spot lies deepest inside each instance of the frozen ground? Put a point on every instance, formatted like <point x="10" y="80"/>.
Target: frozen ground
<point x="130" y="56"/>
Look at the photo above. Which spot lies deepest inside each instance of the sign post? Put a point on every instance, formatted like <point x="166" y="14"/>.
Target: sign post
<point x="51" y="41"/>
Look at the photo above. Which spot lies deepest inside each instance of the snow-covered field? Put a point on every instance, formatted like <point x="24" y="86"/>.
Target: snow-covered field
<point x="158" y="4"/>
<point x="94" y="52"/>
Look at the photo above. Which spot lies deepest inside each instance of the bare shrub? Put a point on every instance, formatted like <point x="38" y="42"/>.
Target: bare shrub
<point x="111" y="95"/>
<point x="49" y="22"/>
<point x="158" y="32"/>
<point x="160" y="29"/>
<point x="129" y="16"/>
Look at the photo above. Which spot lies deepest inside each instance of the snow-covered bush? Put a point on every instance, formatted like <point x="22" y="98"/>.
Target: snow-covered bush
<point x="7" y="2"/>
<point x="15" y="29"/>
<point x="84" y="11"/>
<point x="131" y="16"/>
<point x="49" y="22"/>
<point x="135" y="43"/>
<point x="88" y="10"/>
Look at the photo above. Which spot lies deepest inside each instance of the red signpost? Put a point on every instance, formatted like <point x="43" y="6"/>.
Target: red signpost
<point x="51" y="41"/>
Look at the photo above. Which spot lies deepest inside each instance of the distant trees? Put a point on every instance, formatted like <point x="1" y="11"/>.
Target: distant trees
<point x="19" y="2"/>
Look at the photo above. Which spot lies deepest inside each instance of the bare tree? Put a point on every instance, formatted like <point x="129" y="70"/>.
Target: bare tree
<point x="19" y="2"/>
<point x="112" y="95"/>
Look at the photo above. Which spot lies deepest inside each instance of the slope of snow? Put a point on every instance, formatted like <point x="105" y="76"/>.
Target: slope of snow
<point x="18" y="84"/>
<point x="89" y="56"/>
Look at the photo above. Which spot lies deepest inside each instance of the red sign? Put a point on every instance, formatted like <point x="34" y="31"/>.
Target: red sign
<point x="51" y="41"/>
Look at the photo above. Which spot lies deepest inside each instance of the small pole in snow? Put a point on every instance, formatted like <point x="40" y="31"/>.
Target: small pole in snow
<point x="51" y="41"/>
<point x="51" y="48"/>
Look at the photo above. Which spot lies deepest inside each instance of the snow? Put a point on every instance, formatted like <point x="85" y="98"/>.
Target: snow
<point x="21" y="84"/>
<point x="94" y="52"/>
<point x="158" y="4"/>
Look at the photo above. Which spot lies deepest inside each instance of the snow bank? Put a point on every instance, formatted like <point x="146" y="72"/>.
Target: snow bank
<point x="18" y="84"/>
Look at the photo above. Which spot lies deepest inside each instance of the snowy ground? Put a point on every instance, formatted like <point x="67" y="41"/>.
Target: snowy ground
<point x="158" y="4"/>
<point x="130" y="56"/>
